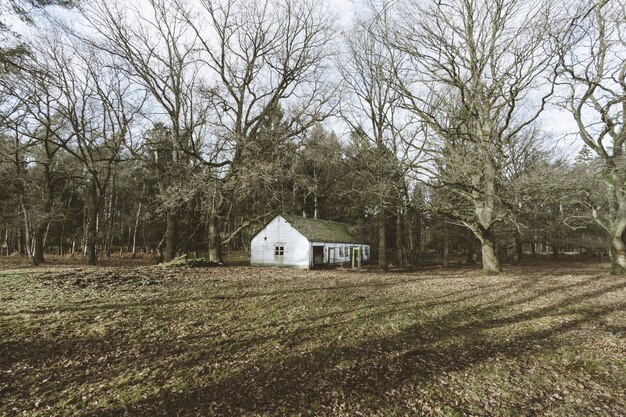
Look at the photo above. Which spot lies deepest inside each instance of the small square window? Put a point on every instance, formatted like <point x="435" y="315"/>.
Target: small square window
<point x="279" y="250"/>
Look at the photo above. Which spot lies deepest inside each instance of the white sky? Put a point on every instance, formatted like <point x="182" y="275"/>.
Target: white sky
<point x="558" y="123"/>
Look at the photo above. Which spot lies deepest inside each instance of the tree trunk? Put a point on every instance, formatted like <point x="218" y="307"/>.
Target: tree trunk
<point x="38" y="242"/>
<point x="422" y="237"/>
<point x="470" y="250"/>
<point x="617" y="250"/>
<point x="491" y="265"/>
<point x="411" y="240"/>
<point x="446" y="251"/>
<point x="136" y="228"/>
<point x="39" y="238"/>
<point x="92" y="256"/>
<point x="92" y="232"/>
<point x="519" y="247"/>
<point x="92" y="224"/>
<point x="382" y="247"/>
<point x="27" y="230"/>
<point x="20" y="243"/>
<point x="555" y="250"/>
<point x="399" y="251"/>
<point x="214" y="240"/>
<point x="171" y="237"/>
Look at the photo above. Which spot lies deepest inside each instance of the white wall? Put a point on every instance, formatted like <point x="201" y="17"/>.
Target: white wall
<point x="280" y="233"/>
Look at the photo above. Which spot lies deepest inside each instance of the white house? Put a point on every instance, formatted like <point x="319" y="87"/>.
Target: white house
<point x="302" y="242"/>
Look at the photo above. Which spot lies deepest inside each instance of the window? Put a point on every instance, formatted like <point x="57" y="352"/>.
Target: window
<point x="341" y="251"/>
<point x="366" y="251"/>
<point x="279" y="250"/>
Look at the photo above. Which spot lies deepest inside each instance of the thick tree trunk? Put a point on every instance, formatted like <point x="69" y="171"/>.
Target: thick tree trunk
<point x="616" y="228"/>
<point x="491" y="265"/>
<point x="92" y="256"/>
<point x="382" y="247"/>
<point x="171" y="237"/>
<point x="555" y="251"/>
<point x="484" y="195"/>
<point x="38" y="243"/>
<point x="39" y="238"/>
<point x="214" y="239"/>
<point x="617" y="251"/>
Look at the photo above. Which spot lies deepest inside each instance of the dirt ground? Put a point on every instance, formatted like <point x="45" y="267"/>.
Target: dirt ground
<point x="539" y="340"/>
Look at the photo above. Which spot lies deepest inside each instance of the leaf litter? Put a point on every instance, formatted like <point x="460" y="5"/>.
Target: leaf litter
<point x="185" y="341"/>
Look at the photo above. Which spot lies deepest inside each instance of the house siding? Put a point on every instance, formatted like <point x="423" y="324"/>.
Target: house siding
<point x="345" y="248"/>
<point x="280" y="233"/>
<point x="298" y="250"/>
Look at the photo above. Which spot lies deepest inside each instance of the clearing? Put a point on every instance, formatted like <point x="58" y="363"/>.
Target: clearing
<point x="144" y="341"/>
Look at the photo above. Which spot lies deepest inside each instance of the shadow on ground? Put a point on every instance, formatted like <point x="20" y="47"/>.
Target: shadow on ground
<point x="337" y="345"/>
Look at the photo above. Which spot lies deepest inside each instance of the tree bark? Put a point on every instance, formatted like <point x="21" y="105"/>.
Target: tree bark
<point x="491" y="265"/>
<point x="617" y="250"/>
<point x="20" y="244"/>
<point x="446" y="251"/>
<point x="92" y="223"/>
<point x="399" y="251"/>
<point x="92" y="231"/>
<point x="470" y="250"/>
<point x="214" y="239"/>
<point x="41" y="230"/>
<point x="382" y="247"/>
<point x="171" y="237"/>
<point x="519" y="247"/>
<point x="27" y="230"/>
<point x="555" y="250"/>
<point x="38" y="243"/>
<point x="135" y="229"/>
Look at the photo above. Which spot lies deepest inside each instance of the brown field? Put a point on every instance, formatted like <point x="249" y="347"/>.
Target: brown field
<point x="538" y="340"/>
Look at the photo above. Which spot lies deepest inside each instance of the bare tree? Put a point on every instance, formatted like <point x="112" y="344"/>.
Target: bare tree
<point x="264" y="55"/>
<point x="475" y="73"/>
<point x="375" y="112"/>
<point x="594" y="75"/>
<point x="160" y="52"/>
<point x="98" y="104"/>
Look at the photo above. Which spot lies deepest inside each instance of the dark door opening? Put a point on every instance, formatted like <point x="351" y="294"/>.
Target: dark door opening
<point x="318" y="255"/>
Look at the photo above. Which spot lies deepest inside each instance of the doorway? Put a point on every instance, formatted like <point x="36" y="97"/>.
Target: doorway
<point x="331" y="255"/>
<point x="318" y="255"/>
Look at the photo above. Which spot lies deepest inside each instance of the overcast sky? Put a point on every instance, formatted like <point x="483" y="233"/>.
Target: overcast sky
<point x="558" y="123"/>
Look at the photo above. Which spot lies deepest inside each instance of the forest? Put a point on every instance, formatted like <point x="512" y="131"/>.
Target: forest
<point x="155" y="155"/>
<point x="173" y="128"/>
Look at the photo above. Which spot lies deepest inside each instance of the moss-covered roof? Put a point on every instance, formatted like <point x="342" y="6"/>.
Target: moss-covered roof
<point x="317" y="230"/>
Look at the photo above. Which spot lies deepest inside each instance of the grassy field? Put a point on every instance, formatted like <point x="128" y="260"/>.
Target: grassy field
<point x="144" y="341"/>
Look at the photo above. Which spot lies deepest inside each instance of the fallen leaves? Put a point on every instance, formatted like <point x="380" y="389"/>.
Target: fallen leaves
<point x="260" y="342"/>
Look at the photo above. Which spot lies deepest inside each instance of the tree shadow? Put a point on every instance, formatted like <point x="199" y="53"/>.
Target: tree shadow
<point x="301" y="382"/>
<point x="448" y="332"/>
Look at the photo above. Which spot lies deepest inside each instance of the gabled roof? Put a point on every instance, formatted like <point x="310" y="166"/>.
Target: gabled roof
<point x="316" y="230"/>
